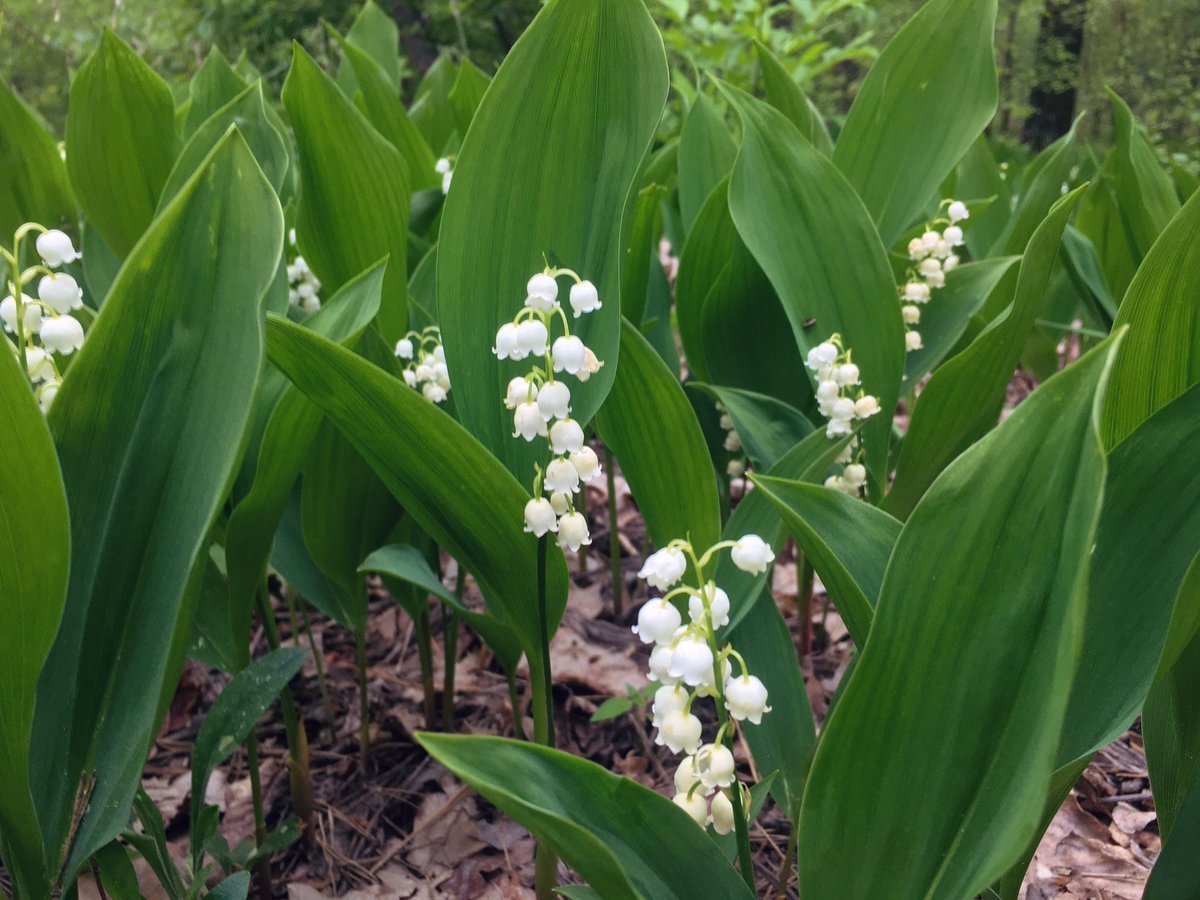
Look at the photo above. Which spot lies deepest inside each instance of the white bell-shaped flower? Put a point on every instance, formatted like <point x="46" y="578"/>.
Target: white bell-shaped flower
<point x="723" y="821"/>
<point x="912" y="341"/>
<point x="843" y="408"/>
<point x="911" y="313"/>
<point x="410" y="378"/>
<point x="586" y="463"/>
<point x="715" y="765"/>
<point x="930" y="266"/>
<point x="943" y="249"/>
<point x="520" y="391"/>
<point x="695" y="806"/>
<point x="916" y="292"/>
<point x="663" y="568"/>
<point x="680" y="732"/>
<point x="554" y="400"/>
<point x="950" y="263"/>
<point x="442" y="166"/>
<point x="542" y="293"/>
<point x="735" y="469"/>
<point x="821" y="356"/>
<point x="55" y="248"/>
<point x="657" y="621"/>
<point x="687" y="779"/>
<point x="733" y="442"/>
<point x="566" y="436"/>
<point x="39" y="364"/>
<point x="936" y="279"/>
<point x="591" y="365"/>
<point x="855" y="476"/>
<point x="866" y="405"/>
<point x="568" y="353"/>
<point x="532" y="336"/>
<point x="61" y="291"/>
<point x="540" y="517"/>
<point x="752" y="554"/>
<point x="584" y="298"/>
<point x="528" y="421"/>
<point x="718" y="605"/>
<point x="447" y="178"/>
<point x="957" y="211"/>
<point x="692" y="661"/>
<point x="916" y="249"/>
<point x="573" y="532"/>
<point x="32" y="318"/>
<point x="63" y="334"/>
<point x="929" y="240"/>
<point x="660" y="665"/>
<point x="746" y="698"/>
<point x="507" y="344"/>
<point x="433" y="392"/>
<point x="46" y="395"/>
<point x="828" y="391"/>
<point x="847" y="374"/>
<point x="726" y="422"/>
<point x="668" y="699"/>
<point x="561" y="476"/>
<point x="836" y="428"/>
<point x="560" y="502"/>
<point x="953" y="236"/>
<point x="404" y="348"/>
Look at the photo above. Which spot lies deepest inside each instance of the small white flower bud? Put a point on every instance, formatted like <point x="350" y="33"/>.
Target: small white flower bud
<point x="507" y="344"/>
<point x="61" y="291"/>
<point x="404" y="348"/>
<point x="695" y="806"/>
<point x="32" y="317"/>
<point x="543" y="293"/>
<point x="912" y="341"/>
<point x="568" y="354"/>
<point x="733" y="442"/>
<point x="657" y="621"/>
<point x="561" y="476"/>
<point x="855" y="476"/>
<point x="692" y="661"/>
<point x="722" y="814"/>
<point x="752" y="554"/>
<point x="746" y="698"/>
<point x="726" y="422"/>
<point x="528" y="421"/>
<point x="957" y="211"/>
<point x="663" y="568"/>
<point x="586" y="463"/>
<point x="573" y="532"/>
<point x="55" y="248"/>
<point x="911" y="313"/>
<point x="735" y="469"/>
<point x="714" y="763"/>
<point x="447" y="178"/>
<point x="566" y="436"/>
<point x="46" y="395"/>
<point x="560" y="502"/>
<point x="843" y="408"/>
<point x="835" y="483"/>
<point x="680" y="732"/>
<point x="62" y="335"/>
<point x="866" y="406"/>
<point x="540" y="517"/>
<point x="584" y="298"/>
<point x="554" y="400"/>
<point x="949" y="263"/>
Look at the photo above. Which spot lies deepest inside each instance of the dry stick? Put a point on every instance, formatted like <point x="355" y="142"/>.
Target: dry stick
<point x="614" y="538"/>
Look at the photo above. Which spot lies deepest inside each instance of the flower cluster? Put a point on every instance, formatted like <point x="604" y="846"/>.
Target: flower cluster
<point x="445" y="168"/>
<point x="688" y="664"/>
<point x="47" y="318"/>
<point x="303" y="286"/>
<point x="839" y="395"/>
<point x="934" y="255"/>
<point x="541" y="403"/>
<point x="425" y="363"/>
<point x="733" y="444"/>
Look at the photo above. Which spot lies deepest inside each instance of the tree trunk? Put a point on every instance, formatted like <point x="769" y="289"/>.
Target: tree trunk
<point x="1059" y="45"/>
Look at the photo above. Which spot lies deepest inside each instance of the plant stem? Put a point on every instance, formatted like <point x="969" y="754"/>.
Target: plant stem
<point x="745" y="860"/>
<point x="450" y="661"/>
<point x="614" y="539"/>
<point x="804" y="603"/>
<point x="546" y="867"/>
<point x="326" y="698"/>
<point x="785" y="872"/>
<point x="263" y="868"/>
<point x="425" y="656"/>
<point x="515" y="699"/>
<point x="364" y="705"/>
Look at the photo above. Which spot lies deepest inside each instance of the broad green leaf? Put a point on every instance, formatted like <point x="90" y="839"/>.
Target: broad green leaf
<point x="354" y="191"/>
<point x="290" y="558"/>
<point x="768" y="428"/>
<point x="979" y="175"/>
<point x="100" y="267"/>
<point x="711" y="242"/>
<point x="407" y="564"/>
<point x="248" y="111"/>
<point x="963" y="398"/>
<point x="545" y="174"/>
<point x="374" y="34"/>
<point x="641" y="252"/>
<point x="626" y="840"/>
<point x="848" y="541"/>
<point x="944" y="319"/>
<point x="676" y="491"/>
<point x="35" y="544"/>
<point x="213" y="642"/>
<point x="894" y="149"/>
<point x="1161" y="358"/>
<point x="1145" y="195"/>
<point x="445" y="479"/>
<point x="979" y="620"/>
<point x="706" y="154"/>
<point x="431" y="111"/>
<point x="117" y="873"/>
<point x="786" y="96"/>
<point x="229" y="720"/>
<point x="1101" y="222"/>
<point x="1040" y="189"/>
<point x="1175" y="875"/>
<point x="381" y="105"/>
<point x="212" y="87"/>
<point x="1149" y="534"/>
<point x="33" y="179"/>
<point x="121" y="142"/>
<point x="469" y="87"/>
<point x="1082" y="265"/>
<point x="148" y="439"/>
<point x="235" y="887"/>
<point x="279" y="452"/>
<point x="827" y="264"/>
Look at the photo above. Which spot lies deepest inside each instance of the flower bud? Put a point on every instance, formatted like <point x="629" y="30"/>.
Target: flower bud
<point x="695" y="806"/>
<point x="560" y="502"/>
<point x="847" y="374"/>
<point x="584" y="298"/>
<point x="660" y="665"/>
<point x="519" y="391"/>
<point x="680" y="732"/>
<point x="957" y="211"/>
<point x="686" y="777"/>
<point x="507" y="344"/>
<point x="663" y="568"/>
<point x="554" y="400"/>
<point x="47" y="394"/>
<point x="410" y="378"/>
<point x="566" y="436"/>
<point x="953" y="236"/>
<point x="573" y="532"/>
<point x="843" y="408"/>
<point x="543" y="293"/>
<point x="61" y="291"/>
<point x="55" y="248"/>
<point x="912" y="341"/>
<point x="528" y="421"/>
<point x="404" y="348"/>
<point x="63" y="334"/>
<point x="855" y="476"/>
<point x="715" y="765"/>
<point x="569" y="353"/>
<point x="540" y="517"/>
<point x="722" y="814"/>
<point x="735" y="469"/>
<point x="657" y="621"/>
<point x="733" y="442"/>
<point x="752" y="554"/>
<point x="912" y="314"/>
<point x="442" y="166"/>
<point x="591" y="365"/>
<point x="949" y="263"/>
<point x="746" y="698"/>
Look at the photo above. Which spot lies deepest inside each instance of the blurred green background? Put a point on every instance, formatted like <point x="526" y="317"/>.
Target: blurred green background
<point x="1056" y="56"/>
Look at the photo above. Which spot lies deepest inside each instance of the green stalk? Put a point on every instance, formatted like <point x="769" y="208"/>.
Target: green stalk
<point x="515" y="699"/>
<point x="614" y="538"/>
<point x="546" y="873"/>
<point x="326" y="698"/>
<point x="364" y="706"/>
<point x="425" y="656"/>
<point x="785" y="872"/>
<point x="450" y="642"/>
<point x="263" y="867"/>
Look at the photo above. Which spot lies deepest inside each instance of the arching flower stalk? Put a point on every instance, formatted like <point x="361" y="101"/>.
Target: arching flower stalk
<point x="934" y="254"/>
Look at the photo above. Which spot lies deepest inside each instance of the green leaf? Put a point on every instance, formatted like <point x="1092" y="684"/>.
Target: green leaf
<point x="611" y="709"/>
<point x="546" y="170"/>
<point x="786" y="96"/>
<point x="1161" y="358"/>
<point x="33" y="179"/>
<point x="407" y="564"/>
<point x="120" y="142"/>
<point x="625" y="840"/>
<point x="117" y="873"/>
<point x="1039" y="190"/>
<point x="979" y="619"/>
<point x="1145" y="195"/>
<point x="848" y="541"/>
<point x="827" y="264"/>
<point x="979" y="175"/>
<point x="213" y="641"/>
<point x="211" y="88"/>
<point x="354" y="191"/>
<point x="469" y="87"/>
<point x="279" y="452"/>
<point x="1148" y="536"/>
<point x="249" y="112"/>
<point x="641" y="253"/>
<point x="443" y="477"/>
<point x="235" y="711"/>
<point x="35" y="544"/>
<point x="711" y="243"/>
<point x="706" y="155"/>
<point x="768" y="428"/>
<point x="376" y="36"/>
<point x="148" y="439"/>
<point x="235" y="887"/>
<point x="891" y="149"/>
<point x="1175" y="875"/>
<point x="945" y="319"/>
<point x="431" y="111"/>
<point x="963" y="398"/>
<point x="677" y="491"/>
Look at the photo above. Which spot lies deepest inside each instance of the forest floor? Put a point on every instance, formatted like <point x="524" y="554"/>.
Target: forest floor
<point x="403" y="827"/>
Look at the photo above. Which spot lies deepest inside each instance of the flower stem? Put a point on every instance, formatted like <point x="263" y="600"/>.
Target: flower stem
<point x="364" y="706"/>
<point x="425" y="657"/>
<point x="745" y="860"/>
<point x="263" y="868"/>
<point x="546" y="875"/>
<point x="450" y="639"/>
<point x="614" y="537"/>
<point x="326" y="698"/>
